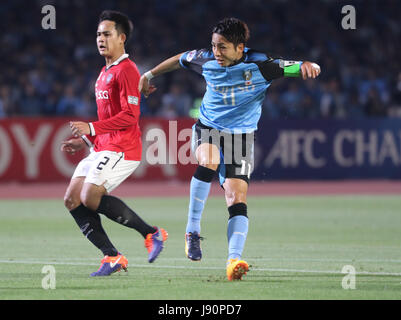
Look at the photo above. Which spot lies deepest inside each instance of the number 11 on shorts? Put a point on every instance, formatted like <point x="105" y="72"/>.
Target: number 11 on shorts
<point x="244" y="167"/>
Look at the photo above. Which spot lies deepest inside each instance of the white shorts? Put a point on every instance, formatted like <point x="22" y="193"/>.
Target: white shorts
<point x="105" y="168"/>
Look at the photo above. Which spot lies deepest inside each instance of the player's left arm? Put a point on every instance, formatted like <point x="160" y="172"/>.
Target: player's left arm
<point x="310" y="70"/>
<point x="307" y="70"/>
<point x="276" y="68"/>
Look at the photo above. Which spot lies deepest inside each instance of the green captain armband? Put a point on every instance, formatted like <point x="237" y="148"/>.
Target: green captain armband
<point x="291" y="68"/>
<point x="293" y="71"/>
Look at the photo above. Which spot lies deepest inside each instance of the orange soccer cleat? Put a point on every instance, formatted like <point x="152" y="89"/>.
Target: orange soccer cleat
<point x="236" y="269"/>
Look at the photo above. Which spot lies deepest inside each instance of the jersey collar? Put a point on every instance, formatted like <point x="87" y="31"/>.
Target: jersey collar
<point x="124" y="56"/>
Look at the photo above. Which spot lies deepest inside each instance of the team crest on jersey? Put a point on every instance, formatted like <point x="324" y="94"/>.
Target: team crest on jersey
<point x="247" y="76"/>
<point x="109" y="77"/>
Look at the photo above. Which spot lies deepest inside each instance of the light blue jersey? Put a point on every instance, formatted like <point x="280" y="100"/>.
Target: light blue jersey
<point x="234" y="95"/>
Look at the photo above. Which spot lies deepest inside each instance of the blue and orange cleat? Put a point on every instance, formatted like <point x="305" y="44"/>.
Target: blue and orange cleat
<point x="193" y="248"/>
<point x="154" y="243"/>
<point x="236" y="269"/>
<point x="110" y="265"/>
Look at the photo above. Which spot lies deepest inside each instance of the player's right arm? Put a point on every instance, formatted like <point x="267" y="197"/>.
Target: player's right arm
<point x="168" y="65"/>
<point x="72" y="145"/>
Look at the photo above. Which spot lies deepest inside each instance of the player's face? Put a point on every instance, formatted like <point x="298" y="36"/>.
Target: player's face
<point x="109" y="42"/>
<point x="224" y="51"/>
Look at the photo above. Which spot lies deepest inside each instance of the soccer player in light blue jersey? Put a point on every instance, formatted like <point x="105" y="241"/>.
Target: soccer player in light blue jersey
<point x="236" y="78"/>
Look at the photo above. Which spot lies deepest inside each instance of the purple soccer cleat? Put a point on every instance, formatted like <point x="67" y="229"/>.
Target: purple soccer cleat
<point x="110" y="265"/>
<point x="154" y="243"/>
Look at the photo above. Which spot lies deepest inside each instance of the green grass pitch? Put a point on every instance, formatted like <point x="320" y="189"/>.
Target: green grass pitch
<point x="296" y="246"/>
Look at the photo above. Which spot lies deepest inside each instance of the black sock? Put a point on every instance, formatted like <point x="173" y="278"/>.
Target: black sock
<point x="90" y="225"/>
<point x="204" y="174"/>
<point x="116" y="210"/>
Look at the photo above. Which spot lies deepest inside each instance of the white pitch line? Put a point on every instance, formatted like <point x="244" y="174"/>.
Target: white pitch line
<point x="96" y="264"/>
<point x="329" y="271"/>
<point x="202" y="268"/>
<point x="348" y="260"/>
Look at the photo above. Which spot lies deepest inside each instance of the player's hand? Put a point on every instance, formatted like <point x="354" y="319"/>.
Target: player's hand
<point x="79" y="128"/>
<point x="145" y="87"/>
<point x="309" y="70"/>
<point x="71" y="146"/>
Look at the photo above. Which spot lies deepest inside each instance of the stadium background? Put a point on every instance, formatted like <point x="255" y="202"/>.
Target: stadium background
<point x="345" y="125"/>
<point x="331" y="146"/>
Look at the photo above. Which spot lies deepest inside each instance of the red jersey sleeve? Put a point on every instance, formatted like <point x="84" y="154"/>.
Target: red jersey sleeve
<point x="129" y="101"/>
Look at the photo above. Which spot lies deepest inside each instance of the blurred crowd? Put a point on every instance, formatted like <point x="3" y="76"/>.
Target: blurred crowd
<point x="52" y="72"/>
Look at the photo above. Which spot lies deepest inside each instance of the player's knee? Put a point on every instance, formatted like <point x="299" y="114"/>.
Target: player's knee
<point x="234" y="196"/>
<point x="71" y="202"/>
<point x="208" y="156"/>
<point x="205" y="163"/>
<point x="238" y="209"/>
<point x="72" y="194"/>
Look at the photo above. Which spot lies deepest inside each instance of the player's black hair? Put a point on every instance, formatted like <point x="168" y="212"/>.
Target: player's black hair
<point x="234" y="30"/>
<point x="123" y="23"/>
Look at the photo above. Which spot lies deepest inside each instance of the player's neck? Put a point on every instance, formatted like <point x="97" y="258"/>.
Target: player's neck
<point x="240" y="57"/>
<point x="111" y="59"/>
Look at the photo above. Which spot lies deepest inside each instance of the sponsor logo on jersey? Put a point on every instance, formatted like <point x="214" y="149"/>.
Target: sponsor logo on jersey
<point x="100" y="95"/>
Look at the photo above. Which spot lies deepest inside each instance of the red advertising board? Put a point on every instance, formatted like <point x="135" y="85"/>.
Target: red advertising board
<point x="30" y="150"/>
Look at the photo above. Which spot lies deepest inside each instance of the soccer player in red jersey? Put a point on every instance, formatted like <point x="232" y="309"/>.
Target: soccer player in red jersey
<point x="116" y="149"/>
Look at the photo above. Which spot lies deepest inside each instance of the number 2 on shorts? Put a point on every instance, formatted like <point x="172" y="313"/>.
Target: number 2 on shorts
<point x="102" y="163"/>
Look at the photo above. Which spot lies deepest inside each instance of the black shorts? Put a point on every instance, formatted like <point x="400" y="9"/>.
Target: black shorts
<point x="236" y="150"/>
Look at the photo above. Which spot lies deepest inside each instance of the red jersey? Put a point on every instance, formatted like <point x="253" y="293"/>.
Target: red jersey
<point x="118" y="101"/>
